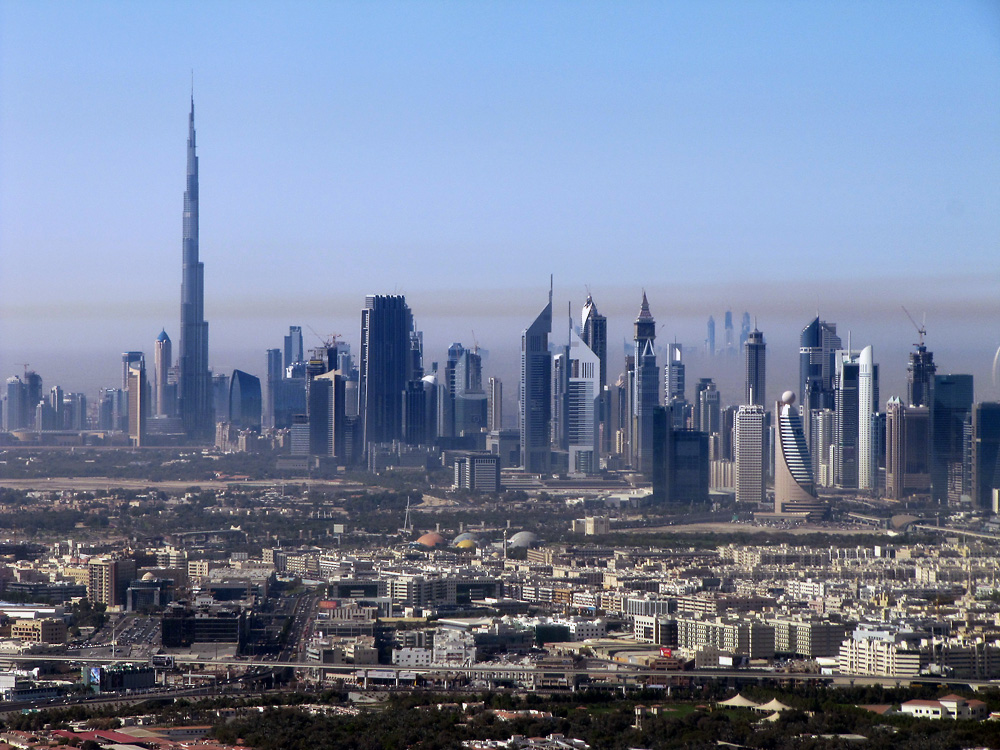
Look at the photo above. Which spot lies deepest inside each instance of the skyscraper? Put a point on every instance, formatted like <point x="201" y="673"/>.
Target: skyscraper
<point x="647" y="389"/>
<point x="845" y="470"/>
<point x="245" y="403"/>
<point x="680" y="463"/>
<point x="750" y="454"/>
<point x="137" y="408"/>
<point x="494" y="408"/>
<point x="986" y="456"/>
<point x="582" y="406"/>
<point x="710" y="338"/>
<point x="867" y="407"/>
<point x="907" y="450"/>
<point x="755" y="368"/>
<point x="794" y="490"/>
<point x="162" y="359"/>
<point x="730" y="334"/>
<point x="535" y="397"/>
<point x="194" y="398"/>
<point x="673" y="374"/>
<point x="818" y="346"/>
<point x="14" y="407"/>
<point x="595" y="336"/>
<point x="951" y="409"/>
<point x="293" y="346"/>
<point x="709" y="407"/>
<point x="273" y="386"/>
<point x="386" y="325"/>
<point x="920" y="376"/>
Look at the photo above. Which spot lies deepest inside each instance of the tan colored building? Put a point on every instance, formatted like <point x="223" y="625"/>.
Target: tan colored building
<point x="109" y="580"/>
<point x="47" y="630"/>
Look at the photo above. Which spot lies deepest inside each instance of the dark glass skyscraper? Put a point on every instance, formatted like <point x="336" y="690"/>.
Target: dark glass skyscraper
<point x="647" y="389"/>
<point x="386" y="366"/>
<point x="535" y="397"/>
<point x="986" y="456"/>
<point x="194" y="391"/>
<point x="755" y="362"/>
<point x="818" y="346"/>
<point x="920" y="377"/>
<point x="951" y="409"/>
<point x="595" y="336"/>
<point x="245" y="400"/>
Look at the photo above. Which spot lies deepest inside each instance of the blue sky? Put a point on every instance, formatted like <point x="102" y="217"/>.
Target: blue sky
<point x="779" y="157"/>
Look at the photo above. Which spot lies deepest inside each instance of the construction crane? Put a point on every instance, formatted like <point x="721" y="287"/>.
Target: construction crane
<point x="330" y="340"/>
<point x="921" y="329"/>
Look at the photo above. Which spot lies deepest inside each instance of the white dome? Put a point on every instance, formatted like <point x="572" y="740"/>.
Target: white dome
<point x="788" y="397"/>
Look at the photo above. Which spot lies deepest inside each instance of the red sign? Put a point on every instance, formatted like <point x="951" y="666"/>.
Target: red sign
<point x="667" y="652"/>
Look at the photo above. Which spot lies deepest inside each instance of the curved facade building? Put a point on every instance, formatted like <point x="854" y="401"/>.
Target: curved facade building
<point x="794" y="489"/>
<point x="245" y="400"/>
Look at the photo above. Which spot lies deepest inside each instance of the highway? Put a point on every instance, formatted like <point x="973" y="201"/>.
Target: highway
<point x="621" y="673"/>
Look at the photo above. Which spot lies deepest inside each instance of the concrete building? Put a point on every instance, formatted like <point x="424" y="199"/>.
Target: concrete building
<point x="750" y="454"/>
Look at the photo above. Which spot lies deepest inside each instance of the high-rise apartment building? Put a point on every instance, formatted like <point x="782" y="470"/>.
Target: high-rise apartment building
<point x="137" y="407"/>
<point x="109" y="580"/>
<point x="755" y="352"/>
<point x="195" y="402"/>
<point x="907" y="450"/>
<point x="750" y="454"/>
<point x="494" y="406"/>
<point x="535" y="396"/>
<point x="14" y="405"/>
<point x="163" y="390"/>
<point x="386" y="366"/>
<point x="867" y="408"/>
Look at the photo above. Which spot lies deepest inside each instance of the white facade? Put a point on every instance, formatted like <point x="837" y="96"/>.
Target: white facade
<point x="867" y="466"/>
<point x="750" y="454"/>
<point x="583" y="412"/>
<point x="412" y="657"/>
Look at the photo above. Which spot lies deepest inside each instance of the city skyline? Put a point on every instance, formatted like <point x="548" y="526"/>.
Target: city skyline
<point x="263" y="276"/>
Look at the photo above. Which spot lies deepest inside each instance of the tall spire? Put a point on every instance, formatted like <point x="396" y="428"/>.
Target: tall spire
<point x="194" y="386"/>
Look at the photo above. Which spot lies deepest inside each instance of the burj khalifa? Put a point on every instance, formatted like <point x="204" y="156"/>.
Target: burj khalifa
<point x="195" y="404"/>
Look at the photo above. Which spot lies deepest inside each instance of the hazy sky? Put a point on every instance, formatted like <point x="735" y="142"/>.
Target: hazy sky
<point x="778" y="157"/>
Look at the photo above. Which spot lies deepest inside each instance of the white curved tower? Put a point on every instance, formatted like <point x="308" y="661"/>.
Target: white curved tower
<point x="867" y="466"/>
<point x="794" y="489"/>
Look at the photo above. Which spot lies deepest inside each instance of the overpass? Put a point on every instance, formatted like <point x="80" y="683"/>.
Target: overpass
<point x="610" y="672"/>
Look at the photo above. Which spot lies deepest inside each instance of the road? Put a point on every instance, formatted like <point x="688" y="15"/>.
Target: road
<point x="620" y="672"/>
